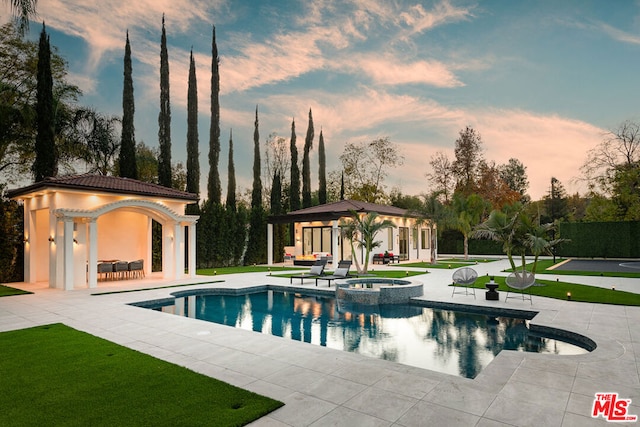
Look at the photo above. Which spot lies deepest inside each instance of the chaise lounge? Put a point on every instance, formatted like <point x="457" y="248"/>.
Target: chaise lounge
<point x="342" y="272"/>
<point x="316" y="270"/>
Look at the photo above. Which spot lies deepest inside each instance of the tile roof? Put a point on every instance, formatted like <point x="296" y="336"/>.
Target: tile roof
<point x="102" y="183"/>
<point x="337" y="210"/>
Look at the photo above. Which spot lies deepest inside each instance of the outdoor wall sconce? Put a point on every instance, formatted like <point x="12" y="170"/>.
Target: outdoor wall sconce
<point x="51" y="239"/>
<point x="75" y="241"/>
<point x="26" y="239"/>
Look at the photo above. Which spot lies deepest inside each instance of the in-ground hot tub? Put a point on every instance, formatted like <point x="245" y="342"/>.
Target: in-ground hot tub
<point x="378" y="290"/>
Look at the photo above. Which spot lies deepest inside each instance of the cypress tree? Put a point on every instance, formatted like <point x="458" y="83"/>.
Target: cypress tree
<point x="127" y="159"/>
<point x="193" y="163"/>
<point x="322" y="172"/>
<point x="45" y="164"/>
<point x="214" y="187"/>
<point x="231" y="185"/>
<point x="276" y="209"/>
<point x="164" y="118"/>
<point x="256" y="245"/>
<point x="294" y="189"/>
<point x="256" y="193"/>
<point x="342" y="186"/>
<point x="306" y="165"/>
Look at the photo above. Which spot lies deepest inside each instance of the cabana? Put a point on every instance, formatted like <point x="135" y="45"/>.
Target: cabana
<point x="317" y="232"/>
<point x="73" y="222"/>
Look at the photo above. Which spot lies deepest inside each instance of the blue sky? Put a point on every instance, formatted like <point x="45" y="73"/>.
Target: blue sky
<point x="540" y="81"/>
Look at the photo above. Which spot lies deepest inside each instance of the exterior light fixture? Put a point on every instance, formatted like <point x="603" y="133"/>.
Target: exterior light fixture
<point x="75" y="241"/>
<point x="568" y="296"/>
<point x="613" y="288"/>
<point x="51" y="239"/>
<point x="26" y="239"/>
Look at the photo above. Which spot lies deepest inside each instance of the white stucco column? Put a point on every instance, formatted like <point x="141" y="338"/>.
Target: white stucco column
<point x="67" y="253"/>
<point x="192" y="250"/>
<point x="335" y="249"/>
<point x="178" y="250"/>
<point x="270" y="244"/>
<point x="30" y="246"/>
<point x="92" y="263"/>
<point x="168" y="264"/>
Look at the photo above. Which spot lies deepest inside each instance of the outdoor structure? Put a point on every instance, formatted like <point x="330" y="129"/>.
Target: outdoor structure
<point x="72" y="223"/>
<point x="317" y="232"/>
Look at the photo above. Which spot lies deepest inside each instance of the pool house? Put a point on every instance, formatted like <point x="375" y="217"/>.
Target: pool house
<point x="316" y="233"/>
<point x="73" y="224"/>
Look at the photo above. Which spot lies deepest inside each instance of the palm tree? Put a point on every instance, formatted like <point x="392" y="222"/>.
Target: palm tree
<point x="538" y="244"/>
<point x="467" y="213"/>
<point x="499" y="227"/>
<point x="362" y="229"/>
<point x="23" y="10"/>
<point x="433" y="213"/>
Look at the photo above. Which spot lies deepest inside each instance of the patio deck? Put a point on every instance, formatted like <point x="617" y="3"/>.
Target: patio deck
<point x="322" y="386"/>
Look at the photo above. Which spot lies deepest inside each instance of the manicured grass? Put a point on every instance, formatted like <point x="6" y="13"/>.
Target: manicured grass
<point x="57" y="376"/>
<point x="6" y="291"/>
<point x="581" y="293"/>
<point x="445" y="264"/>
<point x="246" y="269"/>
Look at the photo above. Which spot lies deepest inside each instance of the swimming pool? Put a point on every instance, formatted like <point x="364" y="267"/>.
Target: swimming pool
<point x="452" y="342"/>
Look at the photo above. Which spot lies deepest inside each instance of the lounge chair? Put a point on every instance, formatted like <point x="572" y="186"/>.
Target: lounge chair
<point x="342" y="272"/>
<point x="464" y="277"/>
<point x="317" y="269"/>
<point x="521" y="281"/>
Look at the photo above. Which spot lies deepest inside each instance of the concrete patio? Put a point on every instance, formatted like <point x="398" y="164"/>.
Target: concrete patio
<point x="323" y="387"/>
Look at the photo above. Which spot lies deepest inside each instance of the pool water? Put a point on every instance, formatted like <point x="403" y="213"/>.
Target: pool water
<point x="452" y="342"/>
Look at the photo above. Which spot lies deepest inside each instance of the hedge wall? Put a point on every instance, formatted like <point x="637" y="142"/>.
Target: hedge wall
<point x="452" y="242"/>
<point x="600" y="239"/>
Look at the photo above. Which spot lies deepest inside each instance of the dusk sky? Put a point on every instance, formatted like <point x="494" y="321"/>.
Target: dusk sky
<point x="541" y="81"/>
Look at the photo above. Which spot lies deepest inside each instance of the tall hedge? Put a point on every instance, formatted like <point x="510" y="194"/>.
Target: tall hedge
<point x="600" y="239"/>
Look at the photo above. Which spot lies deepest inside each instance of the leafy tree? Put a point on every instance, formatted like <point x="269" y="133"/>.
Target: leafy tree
<point x="626" y="191"/>
<point x="306" y="165"/>
<point x="96" y="139"/>
<point x="492" y="187"/>
<point x="193" y="162"/>
<point x="127" y="160"/>
<point x="514" y="174"/>
<point x="556" y="204"/>
<point x="441" y="175"/>
<point x="468" y="156"/>
<point x="18" y="98"/>
<point x="231" y="180"/>
<point x="322" y="171"/>
<point x="365" y="167"/>
<point x="294" y="188"/>
<point x="276" y="159"/>
<point x="362" y="230"/>
<point x="11" y="240"/>
<point x="214" y="187"/>
<point x="46" y="163"/>
<point x="620" y="146"/>
<point x="147" y="163"/>
<point x="164" y="118"/>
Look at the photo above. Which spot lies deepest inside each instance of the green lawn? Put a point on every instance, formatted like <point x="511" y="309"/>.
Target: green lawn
<point x="582" y="293"/>
<point x="6" y="291"/>
<point x="452" y="263"/>
<point x="246" y="269"/>
<point x="57" y="376"/>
